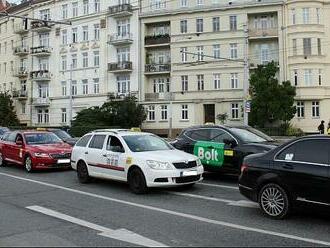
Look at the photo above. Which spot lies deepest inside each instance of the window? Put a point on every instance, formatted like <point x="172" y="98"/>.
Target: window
<point x="200" y="53"/>
<point x="63" y="88"/>
<point x="85" y="60"/>
<point x="161" y="85"/>
<point x="85" y="86"/>
<point x="216" y="79"/>
<point x="64" y="11"/>
<point x="96" y="58"/>
<point x="200" y="134"/>
<point x="305" y="15"/>
<point x="307" y="46"/>
<point x="64" y="37"/>
<point x="199" y="25"/>
<point x="200" y="82"/>
<point x="234" y="80"/>
<point x="97" y="6"/>
<point x="308" y="77"/>
<point x="294" y="47"/>
<point x="319" y="47"/>
<point x="85" y="33"/>
<point x="300" y="109"/>
<point x="233" y="50"/>
<point x="216" y="24"/>
<point x="163" y="112"/>
<point x="96" y="32"/>
<point x="219" y="135"/>
<point x="74" y="35"/>
<point x="75" y="9"/>
<point x="23" y="109"/>
<point x="96" y="84"/>
<point x="86" y="7"/>
<point x="184" y="83"/>
<point x="184" y="112"/>
<point x="183" y="26"/>
<point x="233" y="23"/>
<point x="84" y="141"/>
<point x="44" y="39"/>
<point x="216" y="51"/>
<point x="114" y="145"/>
<point x="97" y="141"/>
<point x="293" y="16"/>
<point x="234" y="110"/>
<point x="157" y="4"/>
<point x="39" y="116"/>
<point x="151" y="113"/>
<point x="45" y="14"/>
<point x="63" y="115"/>
<point x="74" y="89"/>
<point x="316" y="109"/>
<point x="123" y="54"/>
<point x="320" y="77"/>
<point x="318" y="15"/>
<point x="184" y="54"/>
<point x="123" y="84"/>
<point x="199" y="2"/>
<point x="64" y="63"/>
<point x="264" y="55"/>
<point x="74" y="61"/>
<point x="46" y="116"/>
<point x="295" y="76"/>
<point x="183" y="3"/>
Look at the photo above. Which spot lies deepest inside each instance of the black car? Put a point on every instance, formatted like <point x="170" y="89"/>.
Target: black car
<point x="298" y="171"/>
<point x="62" y="134"/>
<point x="223" y="148"/>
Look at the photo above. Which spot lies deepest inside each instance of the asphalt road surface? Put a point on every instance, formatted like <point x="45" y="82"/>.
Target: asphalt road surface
<point x="53" y="209"/>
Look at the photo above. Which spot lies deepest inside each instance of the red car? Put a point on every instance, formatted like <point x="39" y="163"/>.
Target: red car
<point x="34" y="150"/>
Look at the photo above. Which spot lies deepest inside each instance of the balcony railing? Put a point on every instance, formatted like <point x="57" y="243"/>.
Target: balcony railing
<point x="157" y="39"/>
<point x="157" y="68"/>
<point x="120" y="38"/>
<point x="263" y="33"/>
<point x="41" y="101"/>
<point x="20" y="94"/>
<point x="149" y="97"/>
<point x="41" y="50"/>
<point x="121" y="95"/>
<point x="41" y="75"/>
<point x="21" y="72"/>
<point x="120" y="66"/>
<point x="121" y="10"/>
<point x="21" y="50"/>
<point x="20" y="28"/>
<point x="40" y="26"/>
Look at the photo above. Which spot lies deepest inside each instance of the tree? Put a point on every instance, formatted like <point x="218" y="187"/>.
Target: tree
<point x="124" y="113"/>
<point x="8" y="115"/>
<point x="270" y="101"/>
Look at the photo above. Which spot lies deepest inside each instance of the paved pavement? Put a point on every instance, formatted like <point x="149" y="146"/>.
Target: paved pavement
<point x="53" y="209"/>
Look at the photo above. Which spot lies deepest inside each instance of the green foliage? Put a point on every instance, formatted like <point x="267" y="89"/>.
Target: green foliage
<point x="222" y="117"/>
<point x="270" y="101"/>
<point x="8" y="115"/>
<point x="124" y="113"/>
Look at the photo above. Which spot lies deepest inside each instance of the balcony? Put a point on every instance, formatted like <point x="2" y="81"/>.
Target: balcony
<point x="41" y="51"/>
<point x="151" y="69"/>
<point x="40" y="26"/>
<point x="119" y="67"/>
<point x="21" y="72"/>
<point x="121" y="10"/>
<point x="150" y="97"/>
<point x="20" y="28"/>
<point x="21" y="50"/>
<point x="157" y="40"/>
<point x="41" y="102"/>
<point x="120" y="39"/>
<point x="20" y="94"/>
<point x="122" y="95"/>
<point x="41" y="75"/>
<point x="269" y="33"/>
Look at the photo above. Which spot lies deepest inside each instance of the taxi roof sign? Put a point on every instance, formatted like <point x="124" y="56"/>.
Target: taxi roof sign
<point x="209" y="124"/>
<point x="41" y="129"/>
<point x="136" y="129"/>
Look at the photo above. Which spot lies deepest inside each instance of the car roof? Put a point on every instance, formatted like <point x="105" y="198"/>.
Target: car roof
<point x="120" y="132"/>
<point x="226" y="126"/>
<point x="31" y="131"/>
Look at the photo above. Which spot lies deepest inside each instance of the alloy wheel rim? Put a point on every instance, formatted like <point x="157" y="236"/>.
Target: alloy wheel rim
<point x="28" y="164"/>
<point x="272" y="201"/>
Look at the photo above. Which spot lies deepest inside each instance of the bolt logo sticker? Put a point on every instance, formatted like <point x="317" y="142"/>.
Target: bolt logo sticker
<point x="210" y="153"/>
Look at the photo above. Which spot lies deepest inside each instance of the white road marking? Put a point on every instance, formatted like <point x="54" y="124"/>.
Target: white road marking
<point x="243" y="203"/>
<point x="218" y="186"/>
<point x="174" y="213"/>
<point x="120" y="234"/>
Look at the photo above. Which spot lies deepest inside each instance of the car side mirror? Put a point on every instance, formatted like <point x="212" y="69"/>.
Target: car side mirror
<point x="230" y="142"/>
<point x="19" y="142"/>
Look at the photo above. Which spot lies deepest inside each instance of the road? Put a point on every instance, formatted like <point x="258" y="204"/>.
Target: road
<point x="53" y="209"/>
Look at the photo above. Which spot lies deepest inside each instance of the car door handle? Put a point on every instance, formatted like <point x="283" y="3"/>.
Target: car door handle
<point x="86" y="152"/>
<point x="288" y="166"/>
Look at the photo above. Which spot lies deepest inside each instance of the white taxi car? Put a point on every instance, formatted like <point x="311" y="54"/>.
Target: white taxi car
<point x="141" y="159"/>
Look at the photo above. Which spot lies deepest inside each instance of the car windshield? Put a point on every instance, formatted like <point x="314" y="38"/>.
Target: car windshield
<point x="62" y="134"/>
<point x="146" y="143"/>
<point x="250" y="135"/>
<point x="3" y="130"/>
<point x="41" y="138"/>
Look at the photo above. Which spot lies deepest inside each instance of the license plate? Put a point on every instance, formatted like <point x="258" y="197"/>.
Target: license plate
<point x="63" y="161"/>
<point x="188" y="173"/>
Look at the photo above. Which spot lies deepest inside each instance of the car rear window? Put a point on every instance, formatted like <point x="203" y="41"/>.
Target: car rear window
<point x="83" y="141"/>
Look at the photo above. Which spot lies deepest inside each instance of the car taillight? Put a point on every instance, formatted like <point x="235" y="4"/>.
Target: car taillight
<point x="244" y="167"/>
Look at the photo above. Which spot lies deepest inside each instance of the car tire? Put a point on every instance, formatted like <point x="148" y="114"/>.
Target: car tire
<point x="137" y="181"/>
<point x="274" y="201"/>
<point x="82" y="173"/>
<point x="28" y="164"/>
<point x="2" y="161"/>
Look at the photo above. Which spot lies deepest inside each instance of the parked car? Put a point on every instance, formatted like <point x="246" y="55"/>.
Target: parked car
<point x="223" y="148"/>
<point x="143" y="160"/>
<point x="296" y="171"/>
<point x="62" y="134"/>
<point x="34" y="150"/>
<point x="3" y="130"/>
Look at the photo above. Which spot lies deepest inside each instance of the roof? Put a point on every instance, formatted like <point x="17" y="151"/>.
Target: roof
<point x="121" y="132"/>
<point x="216" y="126"/>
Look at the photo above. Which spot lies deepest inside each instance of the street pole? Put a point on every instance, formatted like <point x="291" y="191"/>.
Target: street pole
<point x="171" y="117"/>
<point x="70" y="96"/>
<point x="246" y="75"/>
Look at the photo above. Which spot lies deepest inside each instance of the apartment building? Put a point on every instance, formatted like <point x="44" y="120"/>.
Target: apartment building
<point x="65" y="68"/>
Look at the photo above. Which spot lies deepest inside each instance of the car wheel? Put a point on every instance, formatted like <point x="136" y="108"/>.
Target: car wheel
<point x="2" y="161"/>
<point x="82" y="173"/>
<point x="137" y="181"/>
<point x="274" y="201"/>
<point x="28" y="164"/>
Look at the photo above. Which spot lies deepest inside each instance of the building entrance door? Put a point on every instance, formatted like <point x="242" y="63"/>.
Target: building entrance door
<point x="209" y="113"/>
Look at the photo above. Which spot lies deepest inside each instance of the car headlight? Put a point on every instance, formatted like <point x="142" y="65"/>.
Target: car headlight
<point x="156" y="165"/>
<point x="198" y="162"/>
<point x="41" y="155"/>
